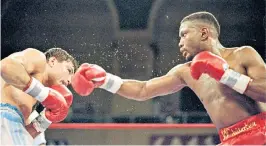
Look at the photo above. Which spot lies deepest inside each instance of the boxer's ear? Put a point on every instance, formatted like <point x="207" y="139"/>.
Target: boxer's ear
<point x="204" y="33"/>
<point x="52" y="61"/>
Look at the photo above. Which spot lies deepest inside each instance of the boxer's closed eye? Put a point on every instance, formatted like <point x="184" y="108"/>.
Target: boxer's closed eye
<point x="69" y="71"/>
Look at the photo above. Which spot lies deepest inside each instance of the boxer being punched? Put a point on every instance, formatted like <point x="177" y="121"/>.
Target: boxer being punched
<point x="28" y="77"/>
<point x="230" y="82"/>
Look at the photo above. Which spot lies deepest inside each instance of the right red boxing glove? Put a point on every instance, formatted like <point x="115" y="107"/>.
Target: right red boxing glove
<point x="63" y="90"/>
<point x="59" y="112"/>
<point x="86" y="78"/>
<point x="51" y="99"/>
<point x="52" y="114"/>
<point x="90" y="76"/>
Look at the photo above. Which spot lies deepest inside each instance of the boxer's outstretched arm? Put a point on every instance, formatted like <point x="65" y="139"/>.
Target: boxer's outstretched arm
<point x="17" y="68"/>
<point x="143" y="90"/>
<point x="91" y="76"/>
<point x="256" y="70"/>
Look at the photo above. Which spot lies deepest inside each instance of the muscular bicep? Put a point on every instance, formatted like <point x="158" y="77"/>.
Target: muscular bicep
<point x="32" y="60"/>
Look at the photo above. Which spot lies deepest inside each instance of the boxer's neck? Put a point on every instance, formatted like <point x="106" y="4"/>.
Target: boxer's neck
<point x="215" y="46"/>
<point x="46" y="79"/>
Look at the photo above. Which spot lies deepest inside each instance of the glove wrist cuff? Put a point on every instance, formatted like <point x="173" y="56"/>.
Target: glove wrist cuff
<point x="37" y="90"/>
<point x="235" y="80"/>
<point x="41" y="123"/>
<point x="112" y="83"/>
<point x="33" y="115"/>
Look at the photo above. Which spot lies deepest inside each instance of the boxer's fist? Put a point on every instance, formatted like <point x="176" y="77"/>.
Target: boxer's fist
<point x="51" y="99"/>
<point x="65" y="92"/>
<point x="50" y="114"/>
<point x="57" y="103"/>
<point x="217" y="68"/>
<point x="211" y="64"/>
<point x="88" y="77"/>
<point x="96" y="74"/>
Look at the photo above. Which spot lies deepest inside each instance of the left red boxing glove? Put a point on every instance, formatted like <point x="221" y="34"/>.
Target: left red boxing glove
<point x="53" y="113"/>
<point x="57" y="114"/>
<point x="206" y="62"/>
<point x="63" y="90"/>
<point x="217" y="68"/>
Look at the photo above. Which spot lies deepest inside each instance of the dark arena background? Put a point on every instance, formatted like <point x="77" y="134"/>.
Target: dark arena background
<point x="135" y="39"/>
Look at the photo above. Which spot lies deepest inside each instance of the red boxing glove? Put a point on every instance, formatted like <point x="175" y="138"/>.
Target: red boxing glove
<point x="63" y="90"/>
<point x="51" y="99"/>
<point x="54" y="111"/>
<point x="57" y="111"/>
<point x="88" y="77"/>
<point x="57" y="103"/>
<point x="206" y="62"/>
<point x="217" y="68"/>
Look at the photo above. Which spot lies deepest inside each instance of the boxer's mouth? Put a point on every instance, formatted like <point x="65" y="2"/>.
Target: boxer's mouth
<point x="184" y="53"/>
<point x="64" y="83"/>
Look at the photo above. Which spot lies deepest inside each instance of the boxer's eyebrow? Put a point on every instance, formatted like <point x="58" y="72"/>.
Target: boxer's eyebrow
<point x="182" y="32"/>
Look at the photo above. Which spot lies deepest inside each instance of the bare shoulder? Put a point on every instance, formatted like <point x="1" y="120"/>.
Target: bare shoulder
<point x="239" y="50"/>
<point x="29" y="52"/>
<point x="33" y="59"/>
<point x="179" y="72"/>
<point x="245" y="55"/>
<point x="245" y="50"/>
<point x="179" y="69"/>
<point x="35" y="53"/>
<point x="248" y="55"/>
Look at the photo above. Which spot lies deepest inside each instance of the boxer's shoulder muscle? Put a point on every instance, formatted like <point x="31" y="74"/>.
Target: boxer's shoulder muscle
<point x="32" y="59"/>
<point x="240" y="53"/>
<point x="253" y="63"/>
<point x="36" y="60"/>
<point x="179" y="71"/>
<point x="248" y="55"/>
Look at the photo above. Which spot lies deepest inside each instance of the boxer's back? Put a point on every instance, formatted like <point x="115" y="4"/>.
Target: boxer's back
<point x="16" y="97"/>
<point x="224" y="105"/>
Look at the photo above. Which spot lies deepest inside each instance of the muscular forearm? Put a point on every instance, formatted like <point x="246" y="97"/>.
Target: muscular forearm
<point x="32" y="131"/>
<point x="144" y="90"/>
<point x="133" y="89"/>
<point x="14" y="73"/>
<point x="257" y="90"/>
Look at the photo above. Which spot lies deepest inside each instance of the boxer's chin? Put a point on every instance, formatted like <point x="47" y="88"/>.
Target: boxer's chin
<point x="189" y="58"/>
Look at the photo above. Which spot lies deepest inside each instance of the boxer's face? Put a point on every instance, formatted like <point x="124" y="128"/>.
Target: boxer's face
<point x="60" y="72"/>
<point x="190" y="40"/>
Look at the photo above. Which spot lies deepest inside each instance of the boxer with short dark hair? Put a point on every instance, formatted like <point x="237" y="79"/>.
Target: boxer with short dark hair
<point x="230" y="82"/>
<point x="30" y="76"/>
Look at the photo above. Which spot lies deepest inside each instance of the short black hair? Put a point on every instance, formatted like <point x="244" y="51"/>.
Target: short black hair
<point x="61" y="55"/>
<point x="205" y="17"/>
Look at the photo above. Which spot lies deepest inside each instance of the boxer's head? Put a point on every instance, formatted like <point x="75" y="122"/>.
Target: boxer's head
<point x="196" y="32"/>
<point x="61" y="66"/>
